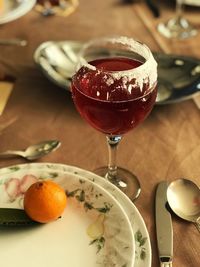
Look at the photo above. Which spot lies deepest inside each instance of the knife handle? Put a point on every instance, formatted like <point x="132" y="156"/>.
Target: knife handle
<point x="166" y="264"/>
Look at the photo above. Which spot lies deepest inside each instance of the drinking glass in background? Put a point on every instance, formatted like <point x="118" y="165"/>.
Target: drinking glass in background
<point x="177" y="27"/>
<point x="114" y="90"/>
<point x="56" y="7"/>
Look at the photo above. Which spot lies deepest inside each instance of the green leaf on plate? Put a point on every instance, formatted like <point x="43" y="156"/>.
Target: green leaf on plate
<point x="14" y="168"/>
<point x="143" y="254"/>
<point x="139" y="238"/>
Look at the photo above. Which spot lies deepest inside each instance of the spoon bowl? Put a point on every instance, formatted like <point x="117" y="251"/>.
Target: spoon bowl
<point x="184" y="199"/>
<point x="33" y="152"/>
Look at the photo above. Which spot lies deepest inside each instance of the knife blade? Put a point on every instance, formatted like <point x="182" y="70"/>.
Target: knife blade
<point x="164" y="231"/>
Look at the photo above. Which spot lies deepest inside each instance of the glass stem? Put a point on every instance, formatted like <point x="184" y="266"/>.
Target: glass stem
<point x="179" y="9"/>
<point x="112" y="142"/>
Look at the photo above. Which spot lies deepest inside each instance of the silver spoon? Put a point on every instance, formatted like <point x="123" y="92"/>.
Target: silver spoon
<point x="34" y="151"/>
<point x="184" y="199"/>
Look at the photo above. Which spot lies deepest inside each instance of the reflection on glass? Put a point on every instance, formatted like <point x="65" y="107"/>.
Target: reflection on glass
<point x="177" y="27"/>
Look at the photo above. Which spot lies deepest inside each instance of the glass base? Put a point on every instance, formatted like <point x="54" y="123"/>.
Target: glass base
<point x="178" y="28"/>
<point x="125" y="181"/>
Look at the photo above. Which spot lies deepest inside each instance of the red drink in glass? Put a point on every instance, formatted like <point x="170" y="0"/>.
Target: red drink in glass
<point x="114" y="94"/>
<point x="112" y="105"/>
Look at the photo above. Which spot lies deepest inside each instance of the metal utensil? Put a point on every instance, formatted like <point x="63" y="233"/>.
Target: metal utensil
<point x="184" y="199"/>
<point x="34" y="151"/>
<point x="15" y="41"/>
<point x="164" y="231"/>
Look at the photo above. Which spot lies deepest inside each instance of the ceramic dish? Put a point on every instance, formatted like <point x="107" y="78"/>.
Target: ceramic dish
<point x="13" y="9"/>
<point x="192" y="2"/>
<point x="93" y="231"/>
<point x="142" y="241"/>
<point x="178" y="76"/>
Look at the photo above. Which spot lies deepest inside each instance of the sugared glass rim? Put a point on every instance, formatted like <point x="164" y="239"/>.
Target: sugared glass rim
<point x="123" y="40"/>
<point x="142" y="74"/>
<point x="148" y="68"/>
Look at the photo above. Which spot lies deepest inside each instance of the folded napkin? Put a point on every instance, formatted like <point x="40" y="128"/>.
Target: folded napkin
<point x="196" y="100"/>
<point x="6" y="87"/>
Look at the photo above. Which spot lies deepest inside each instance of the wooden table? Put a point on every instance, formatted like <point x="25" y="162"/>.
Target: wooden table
<point x="165" y="147"/>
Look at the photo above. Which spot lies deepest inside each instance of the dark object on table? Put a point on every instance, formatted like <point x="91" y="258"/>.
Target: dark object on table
<point x="128" y="1"/>
<point x="153" y="7"/>
<point x="52" y="2"/>
<point x="14" y="217"/>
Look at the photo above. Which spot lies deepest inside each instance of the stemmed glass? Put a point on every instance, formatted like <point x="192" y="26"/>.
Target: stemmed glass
<point x="177" y="27"/>
<point x="114" y="89"/>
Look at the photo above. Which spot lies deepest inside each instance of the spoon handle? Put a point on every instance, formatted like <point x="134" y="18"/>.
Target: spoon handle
<point x="18" y="42"/>
<point x="11" y="153"/>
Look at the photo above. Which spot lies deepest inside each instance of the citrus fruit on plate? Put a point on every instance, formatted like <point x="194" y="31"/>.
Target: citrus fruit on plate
<point x="44" y="201"/>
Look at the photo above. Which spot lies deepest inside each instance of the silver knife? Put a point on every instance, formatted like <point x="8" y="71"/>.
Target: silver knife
<point x="164" y="229"/>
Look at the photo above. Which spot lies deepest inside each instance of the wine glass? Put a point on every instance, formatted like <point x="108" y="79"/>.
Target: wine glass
<point x="114" y="89"/>
<point x="177" y="27"/>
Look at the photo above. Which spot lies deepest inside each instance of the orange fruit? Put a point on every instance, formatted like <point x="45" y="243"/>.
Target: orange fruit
<point x="44" y="201"/>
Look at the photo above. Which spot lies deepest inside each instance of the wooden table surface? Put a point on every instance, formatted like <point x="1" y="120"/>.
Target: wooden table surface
<point x="165" y="147"/>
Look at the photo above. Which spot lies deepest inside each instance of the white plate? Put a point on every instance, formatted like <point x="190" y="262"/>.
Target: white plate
<point x="14" y="9"/>
<point x="143" y="254"/>
<point x="93" y="231"/>
<point x="192" y="2"/>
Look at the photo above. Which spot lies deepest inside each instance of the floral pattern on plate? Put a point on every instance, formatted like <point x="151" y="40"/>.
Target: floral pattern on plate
<point x="107" y="227"/>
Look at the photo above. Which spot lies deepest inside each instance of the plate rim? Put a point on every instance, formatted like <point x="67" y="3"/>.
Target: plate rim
<point x="192" y="3"/>
<point x="18" y="12"/>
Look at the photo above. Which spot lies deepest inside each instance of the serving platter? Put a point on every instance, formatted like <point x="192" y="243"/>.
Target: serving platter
<point x="143" y="253"/>
<point x="14" y="9"/>
<point x="93" y="231"/>
<point x="178" y="76"/>
<point x="192" y="2"/>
